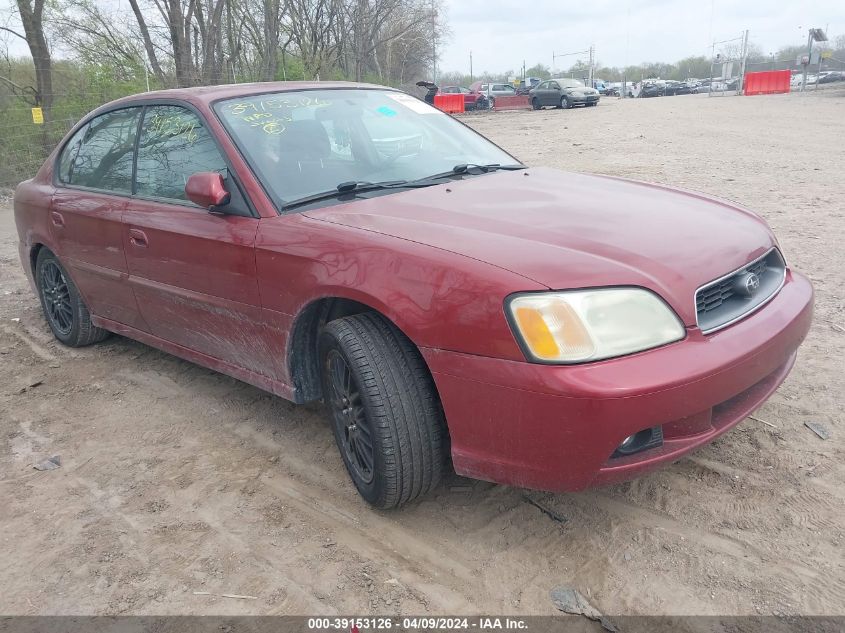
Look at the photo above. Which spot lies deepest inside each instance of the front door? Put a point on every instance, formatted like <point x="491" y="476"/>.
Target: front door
<point x="554" y="93"/>
<point x="95" y="180"/>
<point x="193" y="272"/>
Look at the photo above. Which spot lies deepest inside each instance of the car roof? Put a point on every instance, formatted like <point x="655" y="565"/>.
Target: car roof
<point x="208" y="94"/>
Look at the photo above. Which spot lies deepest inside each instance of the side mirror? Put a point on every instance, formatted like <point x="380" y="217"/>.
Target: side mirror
<point x="207" y="190"/>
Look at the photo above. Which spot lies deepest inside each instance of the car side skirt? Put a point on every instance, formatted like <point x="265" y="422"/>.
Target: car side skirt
<point x="255" y="379"/>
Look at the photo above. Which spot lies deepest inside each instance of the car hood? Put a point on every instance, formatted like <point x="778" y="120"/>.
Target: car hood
<point x="569" y="230"/>
<point x="582" y="91"/>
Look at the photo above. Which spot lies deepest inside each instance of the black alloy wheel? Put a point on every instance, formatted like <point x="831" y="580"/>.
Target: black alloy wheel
<point x="56" y="294"/>
<point x="385" y="412"/>
<point x="355" y="436"/>
<point x="65" y="311"/>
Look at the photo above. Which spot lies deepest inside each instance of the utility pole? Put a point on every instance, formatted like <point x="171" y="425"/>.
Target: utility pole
<point x="433" y="43"/>
<point x="470" y="67"/>
<point x="742" y="63"/>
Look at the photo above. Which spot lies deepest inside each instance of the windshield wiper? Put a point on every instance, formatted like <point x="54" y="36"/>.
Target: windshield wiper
<point x="357" y="186"/>
<point x="464" y="168"/>
<point x="363" y="185"/>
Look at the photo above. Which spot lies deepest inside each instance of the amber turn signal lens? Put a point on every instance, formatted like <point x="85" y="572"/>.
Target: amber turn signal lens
<point x="536" y="333"/>
<point x="553" y="331"/>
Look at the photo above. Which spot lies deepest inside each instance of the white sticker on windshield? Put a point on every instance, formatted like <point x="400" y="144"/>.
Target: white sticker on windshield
<point x="412" y="103"/>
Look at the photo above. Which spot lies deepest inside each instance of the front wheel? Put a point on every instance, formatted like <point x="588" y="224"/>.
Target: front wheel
<point x="564" y="103"/>
<point x="385" y="413"/>
<point x="66" y="312"/>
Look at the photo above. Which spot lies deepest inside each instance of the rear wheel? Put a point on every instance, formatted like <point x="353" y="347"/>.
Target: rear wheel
<point x="66" y="312"/>
<point x="535" y="103"/>
<point x="385" y="413"/>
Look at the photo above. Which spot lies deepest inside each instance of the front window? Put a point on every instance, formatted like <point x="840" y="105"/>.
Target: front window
<point x="304" y="143"/>
<point x="174" y="144"/>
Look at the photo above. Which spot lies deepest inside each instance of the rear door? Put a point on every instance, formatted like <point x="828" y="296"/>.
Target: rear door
<point x="94" y="183"/>
<point x="193" y="272"/>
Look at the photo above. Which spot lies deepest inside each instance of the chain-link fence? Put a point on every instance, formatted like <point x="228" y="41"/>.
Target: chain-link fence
<point x="31" y="124"/>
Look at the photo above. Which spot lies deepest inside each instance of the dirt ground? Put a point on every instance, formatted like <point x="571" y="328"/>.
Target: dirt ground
<point x="178" y="480"/>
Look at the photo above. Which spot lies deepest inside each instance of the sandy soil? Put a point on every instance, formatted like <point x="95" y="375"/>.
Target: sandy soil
<point x="178" y="480"/>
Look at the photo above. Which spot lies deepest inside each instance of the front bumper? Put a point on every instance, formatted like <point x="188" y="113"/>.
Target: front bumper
<point x="555" y="427"/>
<point x="584" y="99"/>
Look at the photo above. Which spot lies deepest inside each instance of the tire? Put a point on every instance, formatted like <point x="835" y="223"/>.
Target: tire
<point x="492" y="103"/>
<point x="65" y="311"/>
<point x="535" y="103"/>
<point x="379" y="391"/>
<point x="564" y="103"/>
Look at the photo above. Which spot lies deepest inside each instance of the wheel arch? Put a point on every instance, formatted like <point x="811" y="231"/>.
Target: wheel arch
<point x="34" y="250"/>
<point x="302" y="359"/>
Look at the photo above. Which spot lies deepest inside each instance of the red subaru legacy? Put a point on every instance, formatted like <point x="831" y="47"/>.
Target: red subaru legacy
<point x="349" y="243"/>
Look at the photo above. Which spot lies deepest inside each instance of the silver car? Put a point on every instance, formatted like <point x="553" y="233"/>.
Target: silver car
<point x="563" y="93"/>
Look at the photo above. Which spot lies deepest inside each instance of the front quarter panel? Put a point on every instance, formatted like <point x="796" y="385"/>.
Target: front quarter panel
<point x="437" y="298"/>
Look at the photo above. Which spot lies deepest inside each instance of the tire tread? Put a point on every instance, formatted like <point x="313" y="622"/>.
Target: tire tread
<point x="403" y="405"/>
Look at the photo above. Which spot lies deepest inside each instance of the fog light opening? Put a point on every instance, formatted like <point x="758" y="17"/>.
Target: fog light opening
<point x="640" y="441"/>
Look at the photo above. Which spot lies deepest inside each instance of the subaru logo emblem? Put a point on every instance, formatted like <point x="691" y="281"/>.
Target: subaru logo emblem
<point x="747" y="284"/>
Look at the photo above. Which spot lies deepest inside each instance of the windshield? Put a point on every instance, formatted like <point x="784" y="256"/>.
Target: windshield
<point x="570" y="83"/>
<point x="307" y="142"/>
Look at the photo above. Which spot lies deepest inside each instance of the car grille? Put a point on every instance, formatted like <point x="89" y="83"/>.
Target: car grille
<point x="728" y="299"/>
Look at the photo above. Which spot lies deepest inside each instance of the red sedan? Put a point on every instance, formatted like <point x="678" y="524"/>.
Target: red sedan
<point x="472" y="100"/>
<point x="352" y="244"/>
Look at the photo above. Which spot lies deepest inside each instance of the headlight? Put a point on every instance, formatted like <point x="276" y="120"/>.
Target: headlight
<point x="584" y="325"/>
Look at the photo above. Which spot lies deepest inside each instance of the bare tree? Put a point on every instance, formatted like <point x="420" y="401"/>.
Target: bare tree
<point x="32" y="19"/>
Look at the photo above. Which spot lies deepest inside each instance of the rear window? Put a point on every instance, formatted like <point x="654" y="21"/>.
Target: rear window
<point x="100" y="155"/>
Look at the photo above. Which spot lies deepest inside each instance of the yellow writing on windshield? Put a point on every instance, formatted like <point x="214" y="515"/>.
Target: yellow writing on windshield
<point x="272" y="114"/>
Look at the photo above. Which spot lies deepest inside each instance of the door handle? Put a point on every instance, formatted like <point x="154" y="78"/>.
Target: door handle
<point x="137" y="238"/>
<point x="57" y="219"/>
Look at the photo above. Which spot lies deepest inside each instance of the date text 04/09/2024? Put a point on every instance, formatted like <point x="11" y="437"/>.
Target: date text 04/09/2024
<point x="385" y="623"/>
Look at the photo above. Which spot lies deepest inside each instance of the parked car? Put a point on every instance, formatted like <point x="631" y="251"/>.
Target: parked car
<point x="493" y="90"/>
<point x="650" y="89"/>
<point x="831" y="76"/>
<point x="672" y="88"/>
<point x="694" y="85"/>
<point x="613" y="89"/>
<point x="431" y="90"/>
<point x="563" y="93"/>
<point x="525" y="85"/>
<point x="601" y="329"/>
<point x="472" y="100"/>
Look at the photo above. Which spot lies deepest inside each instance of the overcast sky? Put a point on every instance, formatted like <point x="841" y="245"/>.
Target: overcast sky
<point x="503" y="33"/>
